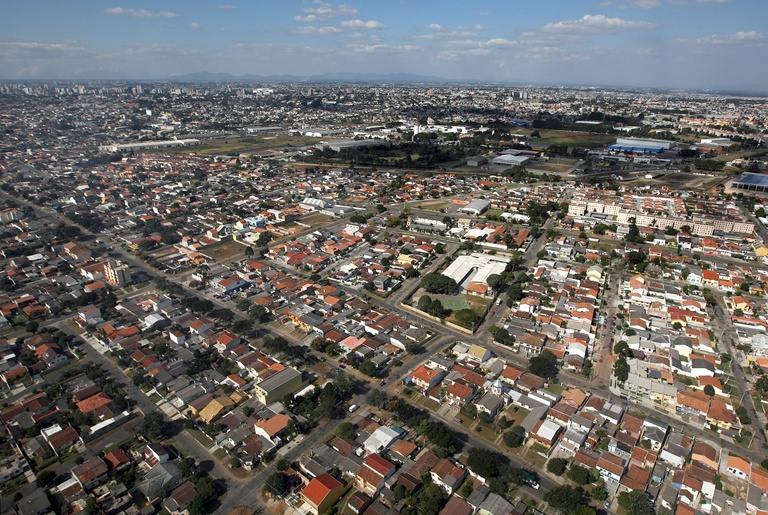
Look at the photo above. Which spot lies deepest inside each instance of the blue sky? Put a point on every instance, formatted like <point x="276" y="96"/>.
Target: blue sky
<point x="717" y="44"/>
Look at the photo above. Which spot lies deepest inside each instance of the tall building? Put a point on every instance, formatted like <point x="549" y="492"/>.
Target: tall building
<point x="117" y="273"/>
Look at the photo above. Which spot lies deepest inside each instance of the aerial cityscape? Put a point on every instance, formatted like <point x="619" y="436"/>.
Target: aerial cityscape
<point x="311" y="258"/>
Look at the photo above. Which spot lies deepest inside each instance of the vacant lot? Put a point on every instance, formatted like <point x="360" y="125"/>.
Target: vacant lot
<point x="678" y="180"/>
<point x="223" y="250"/>
<point x="454" y="303"/>
<point x="436" y="205"/>
<point x="316" y="220"/>
<point x="236" y="145"/>
<point x="572" y="139"/>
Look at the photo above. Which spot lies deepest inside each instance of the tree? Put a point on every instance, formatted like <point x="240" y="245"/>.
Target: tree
<point x="743" y="415"/>
<point x="599" y="493"/>
<point x="636" y="502"/>
<point x="196" y="506"/>
<point x="622" y="349"/>
<point x="621" y="369"/>
<point x="543" y="365"/>
<point x="275" y="485"/>
<point x="580" y="475"/>
<point x="762" y="383"/>
<point x="467" y="318"/>
<point x="557" y="466"/>
<point x="515" y="437"/>
<point x="377" y="398"/>
<point x="45" y="478"/>
<point x="187" y="467"/>
<point x="709" y="390"/>
<point x="264" y="239"/>
<point x="438" y="283"/>
<point x="369" y="368"/>
<point x="248" y="251"/>
<point x="483" y="462"/>
<point x="344" y="383"/>
<point x="154" y="426"/>
<point x="494" y="280"/>
<point x="564" y="498"/>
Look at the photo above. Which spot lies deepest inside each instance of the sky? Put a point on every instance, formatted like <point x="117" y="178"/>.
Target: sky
<point x="688" y="44"/>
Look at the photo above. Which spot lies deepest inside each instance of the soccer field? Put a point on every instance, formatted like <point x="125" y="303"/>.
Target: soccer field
<point x="454" y="304"/>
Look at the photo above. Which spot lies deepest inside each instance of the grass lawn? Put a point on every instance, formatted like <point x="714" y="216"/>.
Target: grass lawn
<point x="454" y="303"/>
<point x="573" y="138"/>
<point x="316" y="220"/>
<point x="223" y="250"/>
<point x="434" y="206"/>
<point x="550" y="167"/>
<point x="479" y="304"/>
<point x="465" y="421"/>
<point x="515" y="417"/>
<point x="220" y="454"/>
<point x="201" y="437"/>
<point x="238" y="145"/>
<point x="743" y="154"/>
<point x="486" y="432"/>
<point x="155" y="398"/>
<point x="431" y="404"/>
<point x="535" y="459"/>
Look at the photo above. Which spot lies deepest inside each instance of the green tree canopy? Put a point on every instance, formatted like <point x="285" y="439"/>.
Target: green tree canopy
<point x="515" y="437"/>
<point x="438" y="283"/>
<point x="564" y="498"/>
<point x="580" y="475"/>
<point x="544" y="365"/>
<point x="557" y="466"/>
<point x="636" y="502"/>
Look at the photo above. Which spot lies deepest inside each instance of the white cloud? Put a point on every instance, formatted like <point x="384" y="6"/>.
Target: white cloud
<point x="362" y="25"/>
<point x="140" y="13"/>
<point x="455" y="55"/>
<point x="34" y="49"/>
<point x="226" y="7"/>
<point x="195" y="26"/>
<point x="311" y="29"/>
<point x="596" y="23"/>
<point x="323" y="11"/>
<point x="363" y="48"/>
<point x="739" y="37"/>
<point x="712" y="1"/>
<point x="501" y="42"/>
<point x="646" y="4"/>
<point x="436" y="26"/>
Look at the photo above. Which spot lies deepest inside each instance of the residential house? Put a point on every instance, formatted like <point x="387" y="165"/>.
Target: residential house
<point x="371" y="475"/>
<point x="322" y="492"/>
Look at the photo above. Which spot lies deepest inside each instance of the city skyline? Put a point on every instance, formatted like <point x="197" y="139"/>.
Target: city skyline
<point x="689" y="44"/>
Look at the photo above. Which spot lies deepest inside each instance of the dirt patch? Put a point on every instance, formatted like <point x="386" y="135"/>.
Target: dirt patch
<point x="223" y="250"/>
<point x="678" y="181"/>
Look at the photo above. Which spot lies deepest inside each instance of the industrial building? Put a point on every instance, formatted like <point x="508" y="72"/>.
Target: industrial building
<point x="509" y="160"/>
<point x="751" y="182"/>
<point x="642" y="145"/>
<point x="471" y="272"/>
<point x="476" y="207"/>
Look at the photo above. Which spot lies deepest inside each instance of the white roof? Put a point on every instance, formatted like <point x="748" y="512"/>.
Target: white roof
<point x="548" y="430"/>
<point x="381" y="439"/>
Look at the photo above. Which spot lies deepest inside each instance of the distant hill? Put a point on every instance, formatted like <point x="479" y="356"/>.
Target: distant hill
<point x="325" y="77"/>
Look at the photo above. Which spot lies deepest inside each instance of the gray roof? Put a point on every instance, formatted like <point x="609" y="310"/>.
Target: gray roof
<point x="276" y="381"/>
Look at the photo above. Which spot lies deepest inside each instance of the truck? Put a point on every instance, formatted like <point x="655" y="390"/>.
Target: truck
<point x="530" y="479"/>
